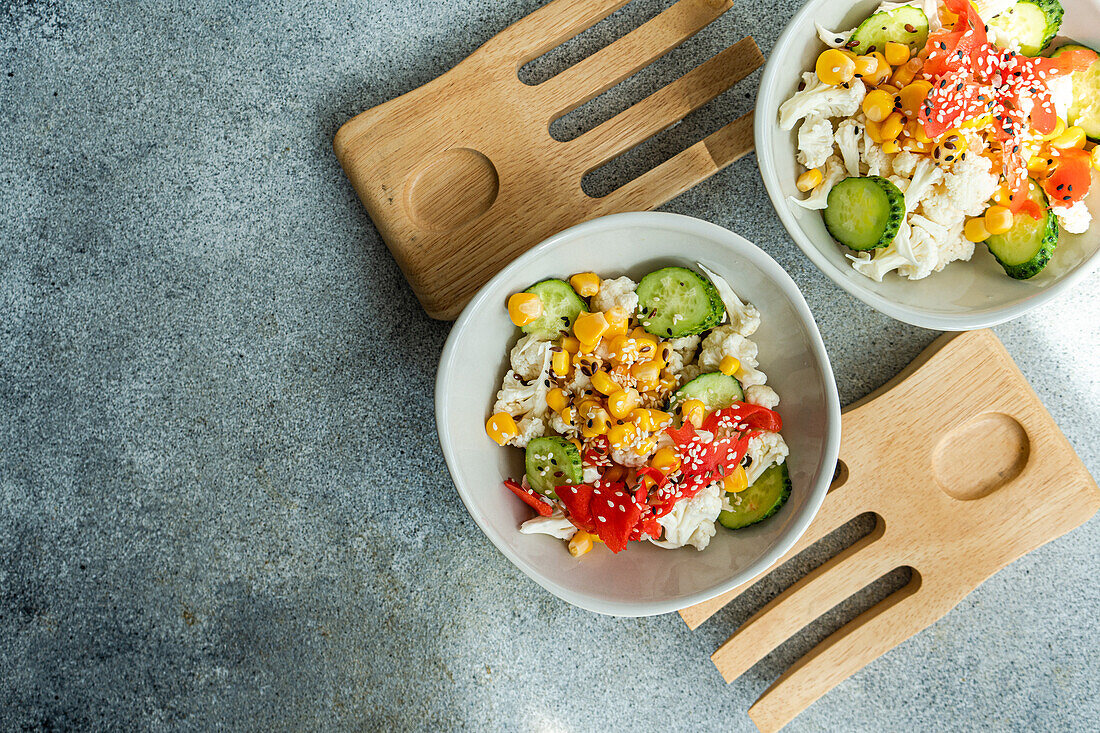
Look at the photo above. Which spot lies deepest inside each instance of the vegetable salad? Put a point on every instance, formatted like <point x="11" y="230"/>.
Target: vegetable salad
<point x="934" y="126"/>
<point x="641" y="410"/>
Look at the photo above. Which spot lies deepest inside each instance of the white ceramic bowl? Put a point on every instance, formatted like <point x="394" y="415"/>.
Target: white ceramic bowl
<point x="644" y="579"/>
<point x="965" y="295"/>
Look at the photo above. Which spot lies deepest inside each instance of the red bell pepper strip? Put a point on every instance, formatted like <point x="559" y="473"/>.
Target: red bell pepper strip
<point x="530" y="498"/>
<point x="1069" y="183"/>
<point x="614" y="513"/>
<point x="576" y="500"/>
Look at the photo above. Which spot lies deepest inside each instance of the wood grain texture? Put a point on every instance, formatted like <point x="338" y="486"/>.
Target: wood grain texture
<point x="461" y="175"/>
<point x="965" y="471"/>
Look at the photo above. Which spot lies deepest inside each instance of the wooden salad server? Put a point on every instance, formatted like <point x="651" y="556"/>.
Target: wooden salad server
<point x="964" y="470"/>
<point x="461" y="175"/>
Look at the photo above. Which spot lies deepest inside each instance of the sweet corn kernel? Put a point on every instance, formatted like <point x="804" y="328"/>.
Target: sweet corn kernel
<point x="890" y="147"/>
<point x="729" y="365"/>
<point x="643" y="419"/>
<point x="501" y="427"/>
<point x="570" y="344"/>
<point x="587" y="348"/>
<point x="916" y="131"/>
<point x="621" y="436"/>
<point x="892" y="126"/>
<point x="663" y="354"/>
<point x="645" y="446"/>
<point x="621" y="403"/>
<point x="1095" y="156"/>
<point x="577" y="444"/>
<point x="596" y="423"/>
<point x="975" y="230"/>
<point x="559" y="362"/>
<point x="735" y="481"/>
<point x="1073" y="137"/>
<point x="569" y="417"/>
<point x="580" y="543"/>
<point x="874" y="131"/>
<point x="834" y="67"/>
<point x="866" y="66"/>
<point x="618" y="320"/>
<point x="640" y="334"/>
<point x="1037" y="166"/>
<point x="882" y="71"/>
<point x="878" y="105"/>
<point x="586" y="284"/>
<point x="911" y="96"/>
<point x="524" y="308"/>
<point x="589" y="328"/>
<point x="603" y="383"/>
<point x="660" y="418"/>
<point x="896" y="53"/>
<point x="950" y="146"/>
<point x="666" y="460"/>
<point x="667" y="382"/>
<point x="647" y="375"/>
<point x="615" y="473"/>
<point x="849" y="53"/>
<point x="998" y="219"/>
<point x="693" y="411"/>
<point x="809" y="180"/>
<point x="557" y="399"/>
<point x="1059" y="128"/>
<point x="904" y="74"/>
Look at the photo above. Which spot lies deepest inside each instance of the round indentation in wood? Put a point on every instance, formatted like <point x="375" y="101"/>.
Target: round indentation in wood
<point x="450" y="189"/>
<point x="980" y="456"/>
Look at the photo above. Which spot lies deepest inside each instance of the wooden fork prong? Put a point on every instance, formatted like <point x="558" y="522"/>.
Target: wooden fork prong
<point x="834" y="513"/>
<point x="621" y="59"/>
<point x="550" y="26"/>
<point x="666" y="106"/>
<point x="805" y="601"/>
<point x="871" y="634"/>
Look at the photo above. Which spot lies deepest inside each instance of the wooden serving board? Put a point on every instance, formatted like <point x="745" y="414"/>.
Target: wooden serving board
<point x="461" y="175"/>
<point x="964" y="470"/>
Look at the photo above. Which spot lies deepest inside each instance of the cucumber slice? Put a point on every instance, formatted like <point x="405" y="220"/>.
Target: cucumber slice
<point x="864" y="212"/>
<point x="552" y="462"/>
<point x="674" y="302"/>
<point x="891" y="25"/>
<point x="560" y="307"/>
<point x="1085" y="110"/>
<point x="761" y="500"/>
<point x="715" y="391"/>
<point x="1026" y="248"/>
<point x="1032" y="24"/>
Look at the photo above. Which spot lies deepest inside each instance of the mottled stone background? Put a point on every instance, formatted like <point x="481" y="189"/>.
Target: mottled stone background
<point x="223" y="503"/>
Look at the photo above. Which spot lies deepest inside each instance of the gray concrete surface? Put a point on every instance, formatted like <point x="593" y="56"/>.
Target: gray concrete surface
<point x="223" y="504"/>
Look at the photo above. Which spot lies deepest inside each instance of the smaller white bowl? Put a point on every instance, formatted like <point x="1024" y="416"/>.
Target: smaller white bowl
<point x="644" y="579"/>
<point x="965" y="295"/>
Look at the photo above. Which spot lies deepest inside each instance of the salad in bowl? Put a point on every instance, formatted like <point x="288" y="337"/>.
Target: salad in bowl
<point x="936" y="125"/>
<point x="641" y="410"/>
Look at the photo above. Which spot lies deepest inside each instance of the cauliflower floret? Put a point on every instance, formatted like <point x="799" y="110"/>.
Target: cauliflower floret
<point x="925" y="175"/>
<point x="764" y="450"/>
<point x="618" y="292"/>
<point x="823" y="100"/>
<point x="629" y="458"/>
<point x="899" y="253"/>
<point x="833" y="39"/>
<point x="726" y="341"/>
<point x="762" y="395"/>
<point x="847" y="139"/>
<point x="879" y="162"/>
<point x="815" y="142"/>
<point x="834" y="171"/>
<point x="905" y="163"/>
<point x="560" y="426"/>
<point x="555" y="525"/>
<point x="744" y="317"/>
<point x="971" y="183"/>
<point x="530" y="427"/>
<point x="939" y="206"/>
<point x="1074" y="219"/>
<point x="529" y="356"/>
<point x="691" y="521"/>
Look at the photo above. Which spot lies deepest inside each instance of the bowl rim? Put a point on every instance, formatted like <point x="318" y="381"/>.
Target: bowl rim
<point x="764" y="127"/>
<point x="780" y="278"/>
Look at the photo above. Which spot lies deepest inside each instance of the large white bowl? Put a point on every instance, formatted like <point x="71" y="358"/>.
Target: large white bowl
<point x="644" y="579"/>
<point x="965" y="295"/>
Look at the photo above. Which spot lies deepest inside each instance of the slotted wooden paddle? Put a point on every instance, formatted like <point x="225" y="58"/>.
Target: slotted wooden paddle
<point x="461" y="175"/>
<point x="965" y="471"/>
